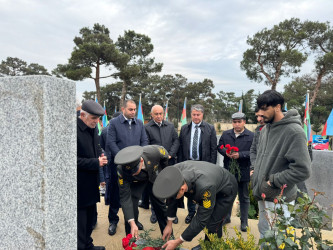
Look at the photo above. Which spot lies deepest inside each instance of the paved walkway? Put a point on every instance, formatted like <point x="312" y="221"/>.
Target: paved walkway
<point x="102" y="238"/>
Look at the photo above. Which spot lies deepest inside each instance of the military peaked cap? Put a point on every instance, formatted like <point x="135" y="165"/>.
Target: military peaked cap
<point x="129" y="158"/>
<point x="168" y="182"/>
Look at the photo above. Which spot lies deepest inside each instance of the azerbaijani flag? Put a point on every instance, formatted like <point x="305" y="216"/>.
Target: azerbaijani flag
<point x="328" y="129"/>
<point x="183" y="119"/>
<point x="285" y="107"/>
<point x="99" y="126"/>
<point x="105" y="118"/>
<point x="140" y="112"/>
<point x="166" y="112"/>
<point x="307" y="123"/>
<point x="240" y="109"/>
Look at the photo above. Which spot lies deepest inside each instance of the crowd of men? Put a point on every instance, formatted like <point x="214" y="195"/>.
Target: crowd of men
<point x="139" y="161"/>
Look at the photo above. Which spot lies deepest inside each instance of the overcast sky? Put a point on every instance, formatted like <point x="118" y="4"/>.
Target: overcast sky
<point x="198" y="39"/>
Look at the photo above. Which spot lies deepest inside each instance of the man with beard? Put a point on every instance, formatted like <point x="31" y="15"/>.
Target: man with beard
<point x="253" y="149"/>
<point x="282" y="156"/>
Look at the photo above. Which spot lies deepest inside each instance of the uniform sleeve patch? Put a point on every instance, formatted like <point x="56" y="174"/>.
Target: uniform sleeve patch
<point x="119" y="174"/>
<point x="121" y="181"/>
<point x="162" y="151"/>
<point x="206" y="200"/>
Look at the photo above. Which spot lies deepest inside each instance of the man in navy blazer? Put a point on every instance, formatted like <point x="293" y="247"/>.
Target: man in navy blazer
<point x="123" y="131"/>
<point x="197" y="142"/>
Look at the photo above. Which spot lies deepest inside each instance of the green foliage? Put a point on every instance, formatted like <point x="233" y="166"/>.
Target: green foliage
<point x="227" y="242"/>
<point x="145" y="240"/>
<point x="305" y="214"/>
<point x="275" y="52"/>
<point x="14" y="66"/>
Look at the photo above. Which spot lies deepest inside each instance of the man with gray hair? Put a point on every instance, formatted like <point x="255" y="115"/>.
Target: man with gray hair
<point x="89" y="160"/>
<point x="197" y="142"/>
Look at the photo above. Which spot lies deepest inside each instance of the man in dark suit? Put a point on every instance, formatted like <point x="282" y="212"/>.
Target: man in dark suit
<point x="89" y="160"/>
<point x="163" y="133"/>
<point x="123" y="131"/>
<point x="197" y="142"/>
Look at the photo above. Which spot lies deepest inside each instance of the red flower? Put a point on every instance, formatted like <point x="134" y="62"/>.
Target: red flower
<point x="227" y="146"/>
<point x="125" y="242"/>
<point x="263" y="196"/>
<point x="128" y="248"/>
<point x="275" y="201"/>
<point x="148" y="248"/>
<point x="221" y="147"/>
<point x="129" y="236"/>
<point x="235" y="149"/>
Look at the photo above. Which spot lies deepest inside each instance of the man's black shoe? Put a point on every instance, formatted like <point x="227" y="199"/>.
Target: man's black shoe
<point x="153" y="218"/>
<point x="243" y="226"/>
<point x="144" y="206"/>
<point x="98" y="248"/>
<point x="112" y="229"/>
<point x="198" y="247"/>
<point x="188" y="219"/>
<point x="139" y="225"/>
<point x="175" y="221"/>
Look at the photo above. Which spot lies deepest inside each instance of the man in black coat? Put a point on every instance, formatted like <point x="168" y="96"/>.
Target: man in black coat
<point x="241" y="138"/>
<point x="197" y="142"/>
<point x="163" y="133"/>
<point x="89" y="160"/>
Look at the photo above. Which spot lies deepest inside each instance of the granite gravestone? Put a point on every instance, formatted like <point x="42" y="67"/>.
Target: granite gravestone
<point x="38" y="163"/>
<point x="321" y="180"/>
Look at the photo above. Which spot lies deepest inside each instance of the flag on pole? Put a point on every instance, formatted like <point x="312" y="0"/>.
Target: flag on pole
<point x="99" y="126"/>
<point x="307" y="123"/>
<point x="285" y="107"/>
<point x="140" y="112"/>
<point x="183" y="119"/>
<point x="105" y="117"/>
<point x="328" y="129"/>
<point x="166" y="112"/>
<point x="115" y="109"/>
<point x="240" y="109"/>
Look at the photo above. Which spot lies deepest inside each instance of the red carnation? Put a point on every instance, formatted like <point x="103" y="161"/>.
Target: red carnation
<point x="221" y="147"/>
<point x="134" y="245"/>
<point x="275" y="201"/>
<point x="129" y="236"/>
<point x="128" y="248"/>
<point x="263" y="196"/>
<point x="227" y="146"/>
<point x="148" y="248"/>
<point x="125" y="242"/>
<point x="228" y="151"/>
<point x="235" y="149"/>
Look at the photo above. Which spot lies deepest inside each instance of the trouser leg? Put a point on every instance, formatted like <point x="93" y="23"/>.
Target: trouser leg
<point x="160" y="211"/>
<point x="191" y="207"/>
<point x="85" y="218"/>
<point x="136" y="192"/>
<point x="244" y="200"/>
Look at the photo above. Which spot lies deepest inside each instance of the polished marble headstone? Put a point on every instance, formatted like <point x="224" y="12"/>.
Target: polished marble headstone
<point x="38" y="163"/>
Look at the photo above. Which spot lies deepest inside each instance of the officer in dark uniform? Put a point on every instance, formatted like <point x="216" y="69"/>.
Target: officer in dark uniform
<point x="136" y="166"/>
<point x="212" y="187"/>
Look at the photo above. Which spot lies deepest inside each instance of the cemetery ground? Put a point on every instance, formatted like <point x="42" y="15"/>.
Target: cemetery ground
<point x="102" y="238"/>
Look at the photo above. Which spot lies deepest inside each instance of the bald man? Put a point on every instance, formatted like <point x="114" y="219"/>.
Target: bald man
<point x="163" y="133"/>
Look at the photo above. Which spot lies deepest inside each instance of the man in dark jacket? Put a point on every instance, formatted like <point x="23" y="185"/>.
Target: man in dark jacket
<point x="137" y="167"/>
<point x="163" y="133"/>
<point x="123" y="131"/>
<point x="212" y="187"/>
<point x="89" y="160"/>
<point x="241" y="138"/>
<point x="197" y="142"/>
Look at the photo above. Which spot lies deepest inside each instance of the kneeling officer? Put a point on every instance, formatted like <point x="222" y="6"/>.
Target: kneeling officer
<point x="136" y="166"/>
<point x="212" y="187"/>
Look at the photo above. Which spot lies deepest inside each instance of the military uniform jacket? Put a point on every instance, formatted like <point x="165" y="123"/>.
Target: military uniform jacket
<point x="205" y="181"/>
<point x="155" y="158"/>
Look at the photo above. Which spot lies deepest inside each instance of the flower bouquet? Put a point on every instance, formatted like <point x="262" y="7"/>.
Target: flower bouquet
<point x="143" y="242"/>
<point x="234" y="166"/>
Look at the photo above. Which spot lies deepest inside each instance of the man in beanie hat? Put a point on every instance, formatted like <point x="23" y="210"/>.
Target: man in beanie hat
<point x="212" y="187"/>
<point x="89" y="160"/>
<point x="136" y="167"/>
